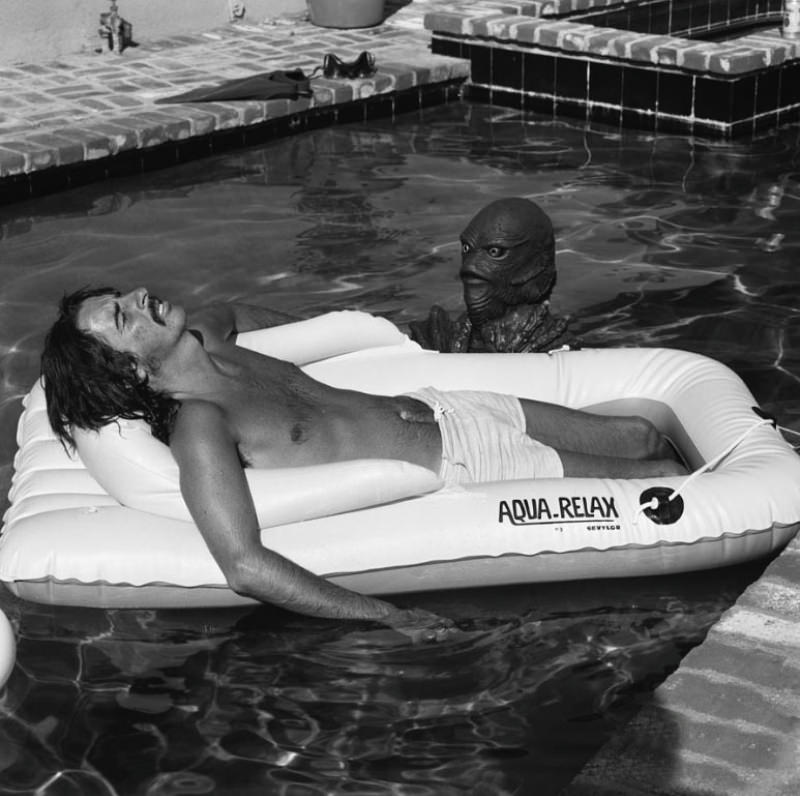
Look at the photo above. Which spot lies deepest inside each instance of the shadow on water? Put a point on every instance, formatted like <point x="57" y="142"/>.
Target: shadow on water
<point x="228" y="701"/>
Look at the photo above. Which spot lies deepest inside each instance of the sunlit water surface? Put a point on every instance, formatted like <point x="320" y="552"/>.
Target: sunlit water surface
<point x="660" y="242"/>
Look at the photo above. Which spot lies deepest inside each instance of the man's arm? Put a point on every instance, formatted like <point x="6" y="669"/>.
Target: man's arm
<point x="220" y="322"/>
<point x="217" y="495"/>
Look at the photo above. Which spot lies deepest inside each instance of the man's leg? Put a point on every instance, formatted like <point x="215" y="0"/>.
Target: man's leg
<point x="594" y="435"/>
<point x="584" y="465"/>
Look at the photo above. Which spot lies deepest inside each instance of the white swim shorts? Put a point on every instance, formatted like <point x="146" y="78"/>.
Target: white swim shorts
<point x="484" y="439"/>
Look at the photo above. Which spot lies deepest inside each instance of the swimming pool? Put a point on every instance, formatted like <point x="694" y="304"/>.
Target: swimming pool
<point x="661" y="241"/>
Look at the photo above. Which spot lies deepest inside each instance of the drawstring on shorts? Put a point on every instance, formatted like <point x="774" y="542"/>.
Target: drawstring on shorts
<point x="440" y="410"/>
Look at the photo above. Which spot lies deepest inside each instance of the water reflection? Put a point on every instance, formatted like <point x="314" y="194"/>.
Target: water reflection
<point x="661" y="241"/>
<point x="231" y="700"/>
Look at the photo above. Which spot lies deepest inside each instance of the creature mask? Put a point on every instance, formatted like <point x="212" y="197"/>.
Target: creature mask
<point x="507" y="258"/>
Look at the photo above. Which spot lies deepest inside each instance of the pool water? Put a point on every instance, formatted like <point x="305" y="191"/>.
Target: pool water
<point x="661" y="241"/>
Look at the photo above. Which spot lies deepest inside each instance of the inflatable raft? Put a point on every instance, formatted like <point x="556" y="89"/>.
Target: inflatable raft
<point x="109" y="528"/>
<point x="8" y="649"/>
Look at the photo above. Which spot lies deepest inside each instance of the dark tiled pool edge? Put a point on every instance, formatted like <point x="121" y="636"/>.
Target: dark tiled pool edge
<point x="650" y="81"/>
<point x="159" y="140"/>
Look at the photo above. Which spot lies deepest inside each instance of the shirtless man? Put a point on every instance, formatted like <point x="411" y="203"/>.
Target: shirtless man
<point x="222" y="408"/>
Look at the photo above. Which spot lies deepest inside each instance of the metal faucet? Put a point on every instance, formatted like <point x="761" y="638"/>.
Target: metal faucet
<point x="111" y="28"/>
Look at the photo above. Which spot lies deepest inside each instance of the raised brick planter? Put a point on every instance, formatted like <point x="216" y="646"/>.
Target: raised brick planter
<point x="647" y="78"/>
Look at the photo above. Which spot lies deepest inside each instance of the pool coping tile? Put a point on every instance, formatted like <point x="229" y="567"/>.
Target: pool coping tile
<point x="749" y="52"/>
<point x="465" y="32"/>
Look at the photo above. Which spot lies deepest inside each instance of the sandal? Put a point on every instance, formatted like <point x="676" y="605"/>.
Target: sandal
<point x="363" y="66"/>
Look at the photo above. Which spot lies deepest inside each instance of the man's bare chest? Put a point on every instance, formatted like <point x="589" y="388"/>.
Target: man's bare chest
<point x="276" y="414"/>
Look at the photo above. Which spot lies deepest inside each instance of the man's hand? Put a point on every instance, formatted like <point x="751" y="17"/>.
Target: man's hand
<point x="421" y="626"/>
<point x="421" y="415"/>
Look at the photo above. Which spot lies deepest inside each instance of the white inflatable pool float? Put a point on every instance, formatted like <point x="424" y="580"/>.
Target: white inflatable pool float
<point x="8" y="649"/>
<point x="111" y="529"/>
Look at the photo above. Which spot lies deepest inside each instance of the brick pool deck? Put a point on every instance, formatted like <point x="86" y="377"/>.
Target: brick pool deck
<point x="727" y="722"/>
<point x="88" y="116"/>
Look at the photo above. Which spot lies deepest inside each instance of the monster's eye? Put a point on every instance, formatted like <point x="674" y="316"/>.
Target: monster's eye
<point x="496" y="252"/>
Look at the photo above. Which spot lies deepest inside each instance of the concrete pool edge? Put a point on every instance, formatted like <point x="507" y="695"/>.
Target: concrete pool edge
<point x="725" y="723"/>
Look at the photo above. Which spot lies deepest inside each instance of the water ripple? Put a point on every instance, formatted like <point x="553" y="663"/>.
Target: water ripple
<point x="661" y="241"/>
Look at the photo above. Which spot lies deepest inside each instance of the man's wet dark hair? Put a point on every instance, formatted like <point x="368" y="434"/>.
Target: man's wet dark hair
<point x="88" y="384"/>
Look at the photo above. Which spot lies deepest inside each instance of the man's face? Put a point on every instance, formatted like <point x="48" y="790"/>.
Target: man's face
<point x="136" y="323"/>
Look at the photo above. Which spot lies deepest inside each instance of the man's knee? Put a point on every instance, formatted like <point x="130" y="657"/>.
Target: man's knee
<point x="648" y="442"/>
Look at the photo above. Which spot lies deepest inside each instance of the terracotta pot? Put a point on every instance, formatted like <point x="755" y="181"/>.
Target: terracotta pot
<point x="346" y="13"/>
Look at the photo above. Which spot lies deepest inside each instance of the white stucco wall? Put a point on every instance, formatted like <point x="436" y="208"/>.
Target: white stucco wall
<point x="33" y="31"/>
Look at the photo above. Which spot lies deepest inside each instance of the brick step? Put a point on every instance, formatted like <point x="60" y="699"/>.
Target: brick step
<point x="547" y="57"/>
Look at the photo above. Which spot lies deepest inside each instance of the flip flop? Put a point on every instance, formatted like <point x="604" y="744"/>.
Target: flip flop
<point x="286" y="84"/>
